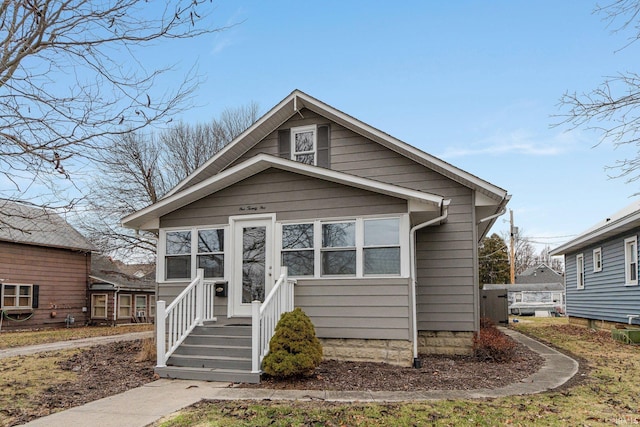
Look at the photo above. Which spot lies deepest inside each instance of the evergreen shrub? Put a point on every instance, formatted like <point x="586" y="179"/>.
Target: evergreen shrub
<point x="294" y="349"/>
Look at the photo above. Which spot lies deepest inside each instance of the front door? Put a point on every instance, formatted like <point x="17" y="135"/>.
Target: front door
<point x="253" y="263"/>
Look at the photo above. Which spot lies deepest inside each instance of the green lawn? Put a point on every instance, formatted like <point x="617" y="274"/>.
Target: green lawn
<point x="608" y="395"/>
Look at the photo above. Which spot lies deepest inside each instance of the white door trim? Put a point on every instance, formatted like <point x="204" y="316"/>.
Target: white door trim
<point x="235" y="306"/>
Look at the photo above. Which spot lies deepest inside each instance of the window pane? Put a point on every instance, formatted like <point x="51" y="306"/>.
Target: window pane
<point x="210" y="241"/>
<point x="304" y="141"/>
<point x="339" y="262"/>
<point x="300" y="263"/>
<point x="382" y="232"/>
<point x="213" y="265"/>
<point x="382" y="261"/>
<point x="307" y="159"/>
<point x="178" y="242"/>
<point x="297" y="236"/>
<point x="339" y="235"/>
<point x="141" y="303"/>
<point x="9" y="296"/>
<point x="178" y="267"/>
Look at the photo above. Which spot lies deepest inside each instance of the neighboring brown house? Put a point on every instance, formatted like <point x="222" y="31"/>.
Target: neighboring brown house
<point x="44" y="268"/>
<point x="121" y="293"/>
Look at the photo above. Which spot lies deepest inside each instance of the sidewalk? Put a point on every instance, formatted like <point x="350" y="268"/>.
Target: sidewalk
<point x="144" y="405"/>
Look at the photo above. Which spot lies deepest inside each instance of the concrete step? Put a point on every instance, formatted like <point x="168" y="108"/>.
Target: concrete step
<point x="217" y="362"/>
<point x="189" y="349"/>
<point x="229" y="330"/>
<point x="208" y="374"/>
<point x="216" y="340"/>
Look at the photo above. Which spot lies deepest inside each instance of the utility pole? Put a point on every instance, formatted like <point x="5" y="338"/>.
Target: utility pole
<point x="512" y="264"/>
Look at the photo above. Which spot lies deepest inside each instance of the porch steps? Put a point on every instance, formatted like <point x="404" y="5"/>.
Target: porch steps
<point x="213" y="352"/>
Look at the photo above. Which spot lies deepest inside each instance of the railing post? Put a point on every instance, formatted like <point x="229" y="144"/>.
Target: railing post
<point x="200" y="297"/>
<point x="161" y="318"/>
<point x="255" y="336"/>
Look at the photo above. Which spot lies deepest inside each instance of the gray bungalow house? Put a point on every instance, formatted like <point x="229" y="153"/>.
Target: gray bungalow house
<point x="601" y="270"/>
<point x="374" y="239"/>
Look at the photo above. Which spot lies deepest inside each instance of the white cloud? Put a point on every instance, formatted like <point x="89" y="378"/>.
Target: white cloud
<point x="518" y="141"/>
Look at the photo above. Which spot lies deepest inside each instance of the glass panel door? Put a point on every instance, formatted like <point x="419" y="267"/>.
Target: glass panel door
<point x="253" y="266"/>
<point x="253" y="263"/>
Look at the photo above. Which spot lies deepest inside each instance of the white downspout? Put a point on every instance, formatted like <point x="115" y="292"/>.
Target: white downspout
<point x="444" y="209"/>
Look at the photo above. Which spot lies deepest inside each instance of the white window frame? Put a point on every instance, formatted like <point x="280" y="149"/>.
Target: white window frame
<point x="93" y="306"/>
<point x="152" y="306"/>
<point x="120" y="306"/>
<point x="162" y="251"/>
<point x="580" y="271"/>
<point x="304" y="129"/>
<point x="18" y="306"/>
<point x="317" y="245"/>
<point x="631" y="261"/>
<point x="144" y="306"/>
<point x="597" y="260"/>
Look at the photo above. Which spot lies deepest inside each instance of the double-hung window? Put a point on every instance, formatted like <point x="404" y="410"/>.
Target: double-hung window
<point x="177" y="261"/>
<point x="298" y="249"/>
<point x="381" y="246"/>
<point x="16" y="296"/>
<point x="597" y="260"/>
<point x="141" y="305"/>
<point x="99" y="306"/>
<point x="631" y="261"/>
<point x="338" y="255"/>
<point x="580" y="271"/>
<point x="187" y="250"/>
<point x="124" y="306"/>
<point x="211" y="252"/>
<point x="303" y="144"/>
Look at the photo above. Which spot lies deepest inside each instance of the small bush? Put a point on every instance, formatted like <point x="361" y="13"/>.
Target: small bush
<point x="148" y="351"/>
<point x="492" y="345"/>
<point x="294" y="349"/>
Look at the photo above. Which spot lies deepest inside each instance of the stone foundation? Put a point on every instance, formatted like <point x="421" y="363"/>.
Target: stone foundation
<point x="393" y="352"/>
<point x="445" y="342"/>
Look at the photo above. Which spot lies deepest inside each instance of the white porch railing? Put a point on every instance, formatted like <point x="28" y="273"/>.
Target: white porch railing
<point x="266" y="315"/>
<point x="174" y="323"/>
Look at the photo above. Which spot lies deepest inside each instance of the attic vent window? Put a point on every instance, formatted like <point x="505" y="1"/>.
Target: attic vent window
<point x="305" y="144"/>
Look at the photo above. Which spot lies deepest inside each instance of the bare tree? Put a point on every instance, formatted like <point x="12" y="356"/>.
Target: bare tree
<point x="612" y="109"/>
<point x="70" y="79"/>
<point x="137" y="170"/>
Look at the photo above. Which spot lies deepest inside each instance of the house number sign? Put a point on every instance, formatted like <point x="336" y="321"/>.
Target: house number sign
<point x="252" y="208"/>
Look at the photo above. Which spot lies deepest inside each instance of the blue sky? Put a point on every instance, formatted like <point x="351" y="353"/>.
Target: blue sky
<point x="473" y="83"/>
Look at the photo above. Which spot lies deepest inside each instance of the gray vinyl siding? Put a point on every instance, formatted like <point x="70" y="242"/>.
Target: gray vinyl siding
<point x="446" y="291"/>
<point x="356" y="308"/>
<point x="289" y="195"/>
<point x="605" y="296"/>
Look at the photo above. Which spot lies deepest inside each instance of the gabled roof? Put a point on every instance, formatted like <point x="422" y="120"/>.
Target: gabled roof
<point x="541" y="273"/>
<point x="520" y="287"/>
<point x="622" y="221"/>
<point x="105" y="271"/>
<point x="33" y="225"/>
<point x="292" y="105"/>
<point x="145" y="218"/>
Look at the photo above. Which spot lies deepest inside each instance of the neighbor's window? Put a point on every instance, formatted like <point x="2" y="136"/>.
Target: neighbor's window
<point x="597" y="260"/>
<point x="99" y="306"/>
<point x="338" y="255"/>
<point x="297" y="249"/>
<point x="177" y="261"/>
<point x="124" y="306"/>
<point x="152" y="306"/>
<point x="631" y="260"/>
<point x="211" y="252"/>
<point x="303" y="144"/>
<point x="382" y="246"/>
<point x="580" y="271"/>
<point x="17" y="296"/>
<point x="141" y="305"/>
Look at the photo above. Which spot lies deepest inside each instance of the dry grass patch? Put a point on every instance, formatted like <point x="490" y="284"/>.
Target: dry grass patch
<point x="23" y="377"/>
<point x="606" y="392"/>
<point x="9" y="339"/>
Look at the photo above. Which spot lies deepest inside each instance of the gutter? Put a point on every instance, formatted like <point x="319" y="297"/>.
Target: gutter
<point x="444" y="209"/>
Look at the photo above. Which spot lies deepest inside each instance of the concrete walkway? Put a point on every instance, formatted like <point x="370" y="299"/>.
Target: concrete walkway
<point x="144" y="405"/>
